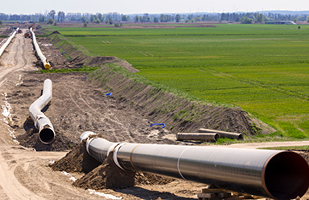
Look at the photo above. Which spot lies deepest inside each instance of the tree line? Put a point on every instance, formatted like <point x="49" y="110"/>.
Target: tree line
<point x="52" y="17"/>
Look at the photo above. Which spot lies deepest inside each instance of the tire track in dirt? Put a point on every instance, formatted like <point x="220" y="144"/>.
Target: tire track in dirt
<point x="9" y="179"/>
<point x="15" y="43"/>
<point x="108" y="118"/>
<point x="111" y="113"/>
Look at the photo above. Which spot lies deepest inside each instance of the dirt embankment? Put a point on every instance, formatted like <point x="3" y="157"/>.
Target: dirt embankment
<point x="179" y="114"/>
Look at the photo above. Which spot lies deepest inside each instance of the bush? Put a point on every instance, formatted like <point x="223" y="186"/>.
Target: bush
<point x="96" y="21"/>
<point x="246" y="20"/>
<point x="50" y="21"/>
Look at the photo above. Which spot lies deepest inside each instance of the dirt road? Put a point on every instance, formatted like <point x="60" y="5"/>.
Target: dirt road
<point x="78" y="106"/>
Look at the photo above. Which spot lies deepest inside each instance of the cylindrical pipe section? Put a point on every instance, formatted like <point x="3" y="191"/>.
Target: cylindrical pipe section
<point x="6" y="44"/>
<point x="198" y="136"/>
<point x="39" y="52"/>
<point x="268" y="173"/>
<point x="42" y="123"/>
<point x="238" y="136"/>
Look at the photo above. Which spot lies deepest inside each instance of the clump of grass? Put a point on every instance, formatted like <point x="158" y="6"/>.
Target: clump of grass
<point x="81" y="69"/>
<point x="296" y="148"/>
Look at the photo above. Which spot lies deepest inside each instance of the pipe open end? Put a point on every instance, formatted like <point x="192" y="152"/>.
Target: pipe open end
<point x="287" y="175"/>
<point x="217" y="136"/>
<point x="47" y="136"/>
<point x="240" y="137"/>
<point x="47" y="66"/>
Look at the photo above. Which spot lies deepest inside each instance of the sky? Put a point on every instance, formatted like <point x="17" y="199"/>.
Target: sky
<point x="148" y="6"/>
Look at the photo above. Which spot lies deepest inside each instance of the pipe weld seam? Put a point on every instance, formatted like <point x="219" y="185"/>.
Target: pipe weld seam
<point x="111" y="149"/>
<point x="178" y="167"/>
<point x="131" y="156"/>
<point x="88" y="143"/>
<point x="115" y="155"/>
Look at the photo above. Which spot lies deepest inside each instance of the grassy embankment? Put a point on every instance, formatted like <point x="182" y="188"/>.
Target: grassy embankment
<point x="261" y="68"/>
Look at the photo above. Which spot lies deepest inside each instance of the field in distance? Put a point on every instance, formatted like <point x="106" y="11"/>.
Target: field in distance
<point x="261" y="68"/>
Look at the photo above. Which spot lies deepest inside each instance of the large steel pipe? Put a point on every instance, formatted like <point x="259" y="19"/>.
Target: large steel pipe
<point x="4" y="46"/>
<point x="39" y="52"/>
<point x="238" y="136"/>
<point x="42" y="123"/>
<point x="198" y="136"/>
<point x="268" y="173"/>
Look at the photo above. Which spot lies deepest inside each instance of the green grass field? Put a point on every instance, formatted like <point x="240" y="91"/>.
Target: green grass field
<point x="261" y="68"/>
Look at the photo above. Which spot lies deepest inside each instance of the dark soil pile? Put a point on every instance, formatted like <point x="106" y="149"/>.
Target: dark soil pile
<point x="107" y="175"/>
<point x="31" y="140"/>
<point x="77" y="160"/>
<point x="55" y="32"/>
<point x="143" y="178"/>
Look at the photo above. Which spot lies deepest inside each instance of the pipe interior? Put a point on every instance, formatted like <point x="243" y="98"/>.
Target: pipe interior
<point x="240" y="137"/>
<point x="47" y="136"/>
<point x="287" y="176"/>
<point x="217" y="136"/>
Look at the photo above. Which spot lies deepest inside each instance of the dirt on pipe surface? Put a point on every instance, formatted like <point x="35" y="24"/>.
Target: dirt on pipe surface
<point x="31" y="170"/>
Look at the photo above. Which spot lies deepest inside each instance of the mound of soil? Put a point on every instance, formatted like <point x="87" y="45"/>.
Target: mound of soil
<point x="107" y="175"/>
<point x="55" y="32"/>
<point x="143" y="178"/>
<point x="31" y="140"/>
<point x="77" y="160"/>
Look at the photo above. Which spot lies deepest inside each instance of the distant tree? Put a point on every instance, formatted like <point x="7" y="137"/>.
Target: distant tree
<point x="223" y="16"/>
<point x="52" y="14"/>
<point x="190" y="17"/>
<point x="50" y="21"/>
<point x="61" y="16"/>
<point x="124" y="18"/>
<point x="42" y="18"/>
<point x="1" y="22"/>
<point x="85" y="24"/>
<point x="100" y="17"/>
<point x="111" y="21"/>
<point x="308" y="20"/>
<point x="97" y="21"/>
<point x="83" y="19"/>
<point x="155" y="20"/>
<point x="295" y="19"/>
<point x="259" y="18"/>
<point x="177" y="17"/>
<point x="246" y="20"/>
<point x="136" y="18"/>
<point x="73" y="18"/>
<point x="192" y="20"/>
<point x="187" y="20"/>
<point x="197" y="19"/>
<point x="92" y="18"/>
<point x="148" y="19"/>
<point x="107" y="21"/>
